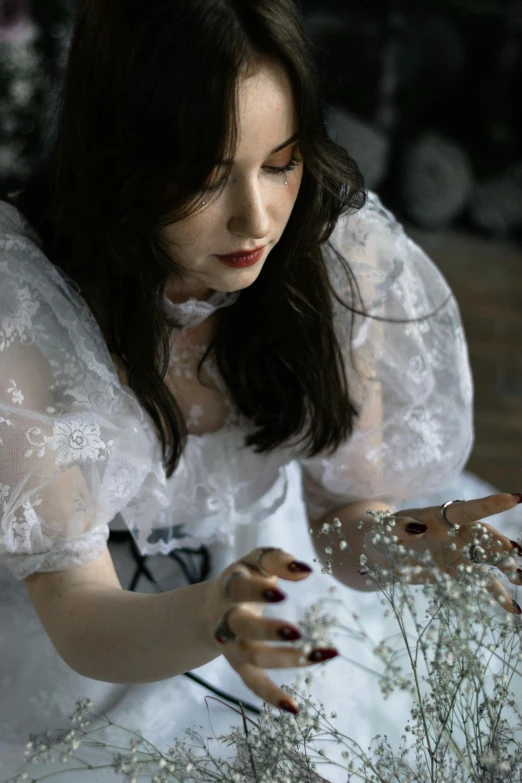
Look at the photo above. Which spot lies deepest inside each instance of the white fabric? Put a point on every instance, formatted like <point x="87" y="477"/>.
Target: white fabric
<point x="411" y="382"/>
<point x="79" y="451"/>
<point x="38" y="690"/>
<point x="79" y="454"/>
<point x="193" y="312"/>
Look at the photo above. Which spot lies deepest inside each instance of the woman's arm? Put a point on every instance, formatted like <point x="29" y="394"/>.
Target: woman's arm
<point x="113" y="635"/>
<point x="347" y="572"/>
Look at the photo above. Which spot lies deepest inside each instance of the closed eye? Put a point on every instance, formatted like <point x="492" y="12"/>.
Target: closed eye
<point x="272" y="169"/>
<point x="284" y="169"/>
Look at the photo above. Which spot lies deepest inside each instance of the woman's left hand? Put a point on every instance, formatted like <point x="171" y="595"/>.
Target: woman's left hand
<point x="478" y="545"/>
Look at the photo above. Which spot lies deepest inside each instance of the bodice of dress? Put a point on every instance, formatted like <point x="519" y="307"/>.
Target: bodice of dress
<point x="80" y="453"/>
<point x="216" y="430"/>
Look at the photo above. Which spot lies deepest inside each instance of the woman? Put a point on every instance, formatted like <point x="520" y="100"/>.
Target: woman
<point x="153" y="382"/>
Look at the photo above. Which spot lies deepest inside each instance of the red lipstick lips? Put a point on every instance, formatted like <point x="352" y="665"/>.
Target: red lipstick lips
<point x="240" y="259"/>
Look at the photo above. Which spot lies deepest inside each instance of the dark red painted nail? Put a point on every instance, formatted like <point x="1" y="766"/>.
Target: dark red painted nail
<point x="289" y="634"/>
<point x="316" y="656"/>
<point x="415" y="528"/>
<point x="518" y="496"/>
<point x="299" y="567"/>
<point x="517" y="547"/>
<point x="287" y="707"/>
<point x="516" y="607"/>
<point x="273" y="596"/>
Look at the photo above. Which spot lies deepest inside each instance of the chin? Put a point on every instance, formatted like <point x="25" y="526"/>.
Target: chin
<point x="238" y="280"/>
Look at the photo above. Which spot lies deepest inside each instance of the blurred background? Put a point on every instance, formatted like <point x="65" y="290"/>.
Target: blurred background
<point x="427" y="97"/>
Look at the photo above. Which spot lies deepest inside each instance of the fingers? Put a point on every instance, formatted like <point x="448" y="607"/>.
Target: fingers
<point x="466" y="511"/>
<point x="474" y="510"/>
<point x="248" y="625"/>
<point x="498" y="592"/>
<point x="276" y="562"/>
<point x="265" y="657"/>
<point x="501" y="553"/>
<point x="247" y="583"/>
<point x="241" y="586"/>
<point x="250" y="660"/>
<point x="260" y="683"/>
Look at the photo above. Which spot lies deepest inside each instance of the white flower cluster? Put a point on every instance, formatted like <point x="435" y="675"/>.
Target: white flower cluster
<point x="316" y="627"/>
<point x="329" y="529"/>
<point x="462" y="660"/>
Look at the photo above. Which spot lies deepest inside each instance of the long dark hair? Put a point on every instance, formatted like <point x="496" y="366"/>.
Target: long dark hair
<point x="149" y="103"/>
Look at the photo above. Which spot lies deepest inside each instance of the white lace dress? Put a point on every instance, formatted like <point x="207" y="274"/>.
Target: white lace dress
<point x="79" y="458"/>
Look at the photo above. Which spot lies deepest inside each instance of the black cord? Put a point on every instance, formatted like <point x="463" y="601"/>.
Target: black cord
<point x="192" y="577"/>
<point x="223" y="694"/>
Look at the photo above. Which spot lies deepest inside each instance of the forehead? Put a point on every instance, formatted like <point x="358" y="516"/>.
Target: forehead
<point x="267" y="113"/>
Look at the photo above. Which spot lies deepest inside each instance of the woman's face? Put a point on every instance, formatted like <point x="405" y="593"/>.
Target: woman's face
<point x="255" y="205"/>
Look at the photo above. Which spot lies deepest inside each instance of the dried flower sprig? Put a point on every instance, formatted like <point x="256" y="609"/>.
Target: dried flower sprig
<point x="331" y="529"/>
<point x="458" y="662"/>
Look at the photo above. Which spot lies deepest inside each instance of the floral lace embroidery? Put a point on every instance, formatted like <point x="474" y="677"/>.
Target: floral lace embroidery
<point x="184" y="361"/>
<point x="78" y="449"/>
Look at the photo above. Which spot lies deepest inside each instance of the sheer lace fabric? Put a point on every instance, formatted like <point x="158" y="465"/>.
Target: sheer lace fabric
<point x="194" y="312"/>
<point x="78" y="453"/>
<point x="411" y="382"/>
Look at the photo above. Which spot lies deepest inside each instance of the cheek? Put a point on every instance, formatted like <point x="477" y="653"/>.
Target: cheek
<point x="293" y="188"/>
<point x="290" y="197"/>
<point x="186" y="235"/>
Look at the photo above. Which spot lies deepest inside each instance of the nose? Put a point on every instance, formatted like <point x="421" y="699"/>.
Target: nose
<point x="249" y="215"/>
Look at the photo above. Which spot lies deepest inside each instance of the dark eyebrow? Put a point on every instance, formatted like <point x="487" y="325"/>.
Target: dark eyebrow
<point x="282" y="146"/>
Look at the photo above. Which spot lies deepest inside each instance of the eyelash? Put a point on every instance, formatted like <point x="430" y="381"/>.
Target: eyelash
<point x="272" y="169"/>
<point x="284" y="169"/>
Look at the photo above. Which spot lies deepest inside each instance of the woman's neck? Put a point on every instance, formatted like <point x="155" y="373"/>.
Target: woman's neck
<point x="180" y="295"/>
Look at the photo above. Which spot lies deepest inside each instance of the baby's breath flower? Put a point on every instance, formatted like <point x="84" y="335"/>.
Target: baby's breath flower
<point x="457" y="641"/>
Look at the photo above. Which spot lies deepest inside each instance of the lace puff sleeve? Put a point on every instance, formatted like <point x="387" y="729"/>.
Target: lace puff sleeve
<point x="411" y="382"/>
<point x="68" y="430"/>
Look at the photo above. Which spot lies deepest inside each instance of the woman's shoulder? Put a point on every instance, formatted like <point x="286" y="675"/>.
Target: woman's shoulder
<point x="41" y="307"/>
<point x="24" y="263"/>
<point x="394" y="275"/>
<point x="21" y="254"/>
<point x="361" y="230"/>
<point x="14" y="224"/>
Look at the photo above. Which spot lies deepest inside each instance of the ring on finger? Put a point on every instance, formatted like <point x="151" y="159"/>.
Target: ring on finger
<point x="223" y="634"/>
<point x="226" y="583"/>
<point x="442" y="512"/>
<point x="261" y="554"/>
<point x="473" y="554"/>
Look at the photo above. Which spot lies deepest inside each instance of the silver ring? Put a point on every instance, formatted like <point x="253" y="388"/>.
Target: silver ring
<point x="226" y="583"/>
<point x="443" y="512"/>
<point x="223" y="634"/>
<point x="472" y="555"/>
<point x="261" y="555"/>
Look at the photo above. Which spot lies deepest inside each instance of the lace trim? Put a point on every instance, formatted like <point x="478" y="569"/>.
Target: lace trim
<point x="194" y="312"/>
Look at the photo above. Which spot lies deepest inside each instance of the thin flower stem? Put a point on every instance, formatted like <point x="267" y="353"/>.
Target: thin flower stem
<point x="136" y="734"/>
<point x="448" y="713"/>
<point x="254" y="768"/>
<point x="415" y="675"/>
<point x="74" y="769"/>
<point x="107" y="745"/>
<point x="361" y="666"/>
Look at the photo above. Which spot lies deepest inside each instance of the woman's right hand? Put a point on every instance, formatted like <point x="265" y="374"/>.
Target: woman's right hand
<point x="235" y="604"/>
